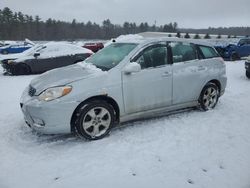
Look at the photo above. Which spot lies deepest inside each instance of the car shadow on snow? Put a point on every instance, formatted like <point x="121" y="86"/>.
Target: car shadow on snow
<point x="27" y="133"/>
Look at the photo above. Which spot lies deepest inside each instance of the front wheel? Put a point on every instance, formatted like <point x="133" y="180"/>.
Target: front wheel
<point x="248" y="74"/>
<point x="209" y="96"/>
<point x="21" y="69"/>
<point x="95" y="120"/>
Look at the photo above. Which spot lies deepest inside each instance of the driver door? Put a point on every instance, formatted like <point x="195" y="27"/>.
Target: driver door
<point x="150" y="88"/>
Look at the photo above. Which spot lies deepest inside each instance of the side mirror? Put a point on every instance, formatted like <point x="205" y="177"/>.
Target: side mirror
<point x="132" y="67"/>
<point x="36" y="54"/>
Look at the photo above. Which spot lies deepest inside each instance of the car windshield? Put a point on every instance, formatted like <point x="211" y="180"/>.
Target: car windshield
<point x="111" y="55"/>
<point x="33" y="49"/>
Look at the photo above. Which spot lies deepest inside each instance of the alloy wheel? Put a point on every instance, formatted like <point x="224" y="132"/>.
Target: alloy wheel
<point x="96" y="121"/>
<point x="210" y="97"/>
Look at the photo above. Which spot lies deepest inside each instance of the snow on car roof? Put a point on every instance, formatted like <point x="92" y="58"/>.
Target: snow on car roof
<point x="126" y="38"/>
<point x="145" y="40"/>
<point x="55" y="49"/>
<point x="64" y="48"/>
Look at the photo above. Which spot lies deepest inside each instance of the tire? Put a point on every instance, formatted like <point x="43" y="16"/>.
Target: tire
<point x="235" y="56"/>
<point x="21" y="69"/>
<point x="248" y="74"/>
<point x="94" y="120"/>
<point x="209" y="96"/>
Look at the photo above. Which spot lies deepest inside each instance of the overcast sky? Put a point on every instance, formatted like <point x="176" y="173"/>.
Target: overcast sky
<point x="187" y="13"/>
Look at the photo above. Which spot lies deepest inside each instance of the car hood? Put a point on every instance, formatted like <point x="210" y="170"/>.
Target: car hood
<point x="64" y="76"/>
<point x="23" y="59"/>
<point x="10" y="56"/>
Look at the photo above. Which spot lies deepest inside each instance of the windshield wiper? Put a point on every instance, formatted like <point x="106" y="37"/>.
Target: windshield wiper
<point x="102" y="67"/>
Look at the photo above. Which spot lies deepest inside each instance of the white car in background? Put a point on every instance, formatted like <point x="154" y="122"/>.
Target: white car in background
<point x="124" y="81"/>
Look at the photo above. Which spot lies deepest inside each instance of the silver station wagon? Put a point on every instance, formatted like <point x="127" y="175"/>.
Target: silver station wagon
<point x="125" y="81"/>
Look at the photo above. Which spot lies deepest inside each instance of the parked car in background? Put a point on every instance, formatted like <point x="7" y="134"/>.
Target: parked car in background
<point x="94" y="46"/>
<point x="8" y="42"/>
<point x="8" y="57"/>
<point x="16" y="47"/>
<point x="235" y="50"/>
<point x="124" y="81"/>
<point x="247" y="67"/>
<point x="48" y="56"/>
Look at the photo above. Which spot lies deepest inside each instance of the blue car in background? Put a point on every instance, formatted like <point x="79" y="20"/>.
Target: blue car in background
<point x="11" y="47"/>
<point x="16" y="48"/>
<point x="235" y="50"/>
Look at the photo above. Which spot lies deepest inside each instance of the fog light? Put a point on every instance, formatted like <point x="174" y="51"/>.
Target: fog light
<point x="38" y="122"/>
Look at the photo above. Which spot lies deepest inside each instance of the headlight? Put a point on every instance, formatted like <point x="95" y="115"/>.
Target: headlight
<point x="10" y="62"/>
<point x="54" y="93"/>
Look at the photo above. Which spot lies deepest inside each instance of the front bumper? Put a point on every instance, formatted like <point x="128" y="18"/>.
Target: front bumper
<point x="10" y="68"/>
<point x="47" y="117"/>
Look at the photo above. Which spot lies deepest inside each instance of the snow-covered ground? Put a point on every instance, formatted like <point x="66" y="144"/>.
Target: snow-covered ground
<point x="190" y="149"/>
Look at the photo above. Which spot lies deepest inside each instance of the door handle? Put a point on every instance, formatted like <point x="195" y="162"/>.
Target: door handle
<point x="166" y="74"/>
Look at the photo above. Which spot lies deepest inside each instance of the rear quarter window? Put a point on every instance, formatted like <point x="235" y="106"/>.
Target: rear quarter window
<point x="208" y="52"/>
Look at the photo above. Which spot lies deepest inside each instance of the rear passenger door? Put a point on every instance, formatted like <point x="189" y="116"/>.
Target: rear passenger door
<point x="188" y="72"/>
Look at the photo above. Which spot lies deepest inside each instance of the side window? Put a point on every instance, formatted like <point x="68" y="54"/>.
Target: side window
<point x="208" y="52"/>
<point x="183" y="52"/>
<point x="248" y="41"/>
<point x="242" y="42"/>
<point x="153" y="56"/>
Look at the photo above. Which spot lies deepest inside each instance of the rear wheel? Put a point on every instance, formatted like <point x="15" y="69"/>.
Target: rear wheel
<point x="248" y="74"/>
<point x="5" y="52"/>
<point x="235" y="56"/>
<point x="209" y="96"/>
<point x="94" y="120"/>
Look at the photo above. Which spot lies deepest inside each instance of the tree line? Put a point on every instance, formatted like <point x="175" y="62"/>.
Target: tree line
<point x="229" y="31"/>
<point x="17" y="26"/>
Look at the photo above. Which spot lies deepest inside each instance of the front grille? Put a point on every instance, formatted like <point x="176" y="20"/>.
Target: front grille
<point x="32" y="91"/>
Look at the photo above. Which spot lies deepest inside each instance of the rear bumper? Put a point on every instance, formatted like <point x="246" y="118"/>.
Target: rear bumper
<point x="247" y="66"/>
<point x="223" y="82"/>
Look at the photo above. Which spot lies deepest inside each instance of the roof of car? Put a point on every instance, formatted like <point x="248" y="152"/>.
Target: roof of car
<point x="147" y="40"/>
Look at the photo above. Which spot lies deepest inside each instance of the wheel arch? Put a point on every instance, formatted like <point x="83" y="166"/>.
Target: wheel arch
<point x="217" y="83"/>
<point x="24" y="64"/>
<point x="214" y="81"/>
<point x="105" y="98"/>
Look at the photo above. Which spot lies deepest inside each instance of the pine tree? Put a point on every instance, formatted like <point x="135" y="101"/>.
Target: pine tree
<point x="178" y="35"/>
<point x="186" y="36"/>
<point x="207" y="36"/>
<point x="197" y="36"/>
